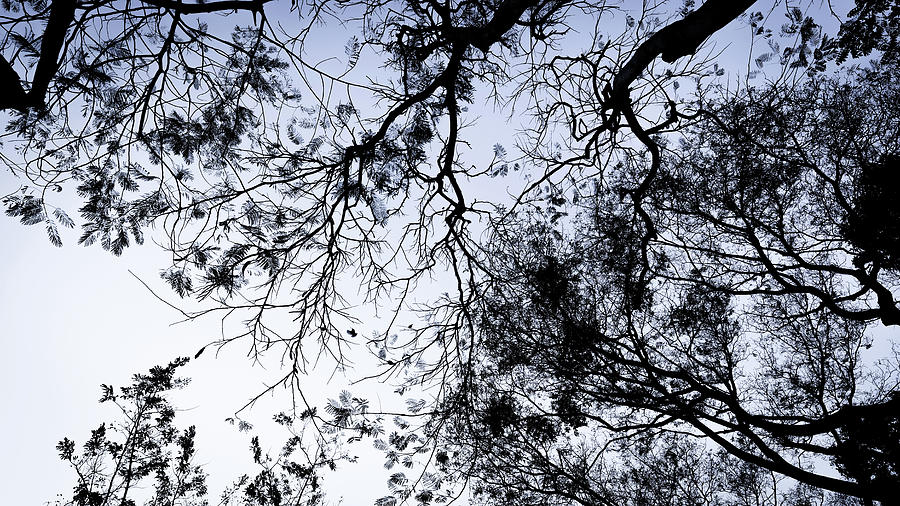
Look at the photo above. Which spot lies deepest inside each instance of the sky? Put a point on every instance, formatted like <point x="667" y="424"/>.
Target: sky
<point x="75" y="318"/>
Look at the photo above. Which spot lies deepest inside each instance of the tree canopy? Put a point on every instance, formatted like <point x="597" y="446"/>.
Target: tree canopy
<point x="644" y="270"/>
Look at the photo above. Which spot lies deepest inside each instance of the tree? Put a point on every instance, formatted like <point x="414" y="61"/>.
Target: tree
<point x="119" y="458"/>
<point x="741" y="321"/>
<point x="276" y="177"/>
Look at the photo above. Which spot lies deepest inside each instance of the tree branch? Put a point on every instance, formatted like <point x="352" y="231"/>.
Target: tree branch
<point x="205" y="8"/>
<point x="505" y="17"/>
<point x="15" y="96"/>
<point x="62" y="13"/>
<point x="681" y="38"/>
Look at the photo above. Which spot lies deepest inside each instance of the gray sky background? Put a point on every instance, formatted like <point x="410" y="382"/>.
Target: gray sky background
<point x="74" y="318"/>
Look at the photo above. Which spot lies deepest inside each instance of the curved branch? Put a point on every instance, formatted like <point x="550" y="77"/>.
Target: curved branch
<point x="678" y="39"/>
<point x="62" y="13"/>
<point x="206" y="8"/>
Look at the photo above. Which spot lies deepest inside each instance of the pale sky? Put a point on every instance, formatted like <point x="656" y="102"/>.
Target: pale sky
<point x="75" y="317"/>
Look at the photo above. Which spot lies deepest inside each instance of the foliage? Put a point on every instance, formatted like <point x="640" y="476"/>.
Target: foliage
<point x="872" y="25"/>
<point x="143" y="445"/>
<point x="746" y="326"/>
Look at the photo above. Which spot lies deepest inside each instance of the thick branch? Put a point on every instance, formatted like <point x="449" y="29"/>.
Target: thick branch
<point x="681" y="38"/>
<point x="14" y="97"/>
<point x="204" y="8"/>
<point x="506" y="16"/>
<point x="62" y="13"/>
